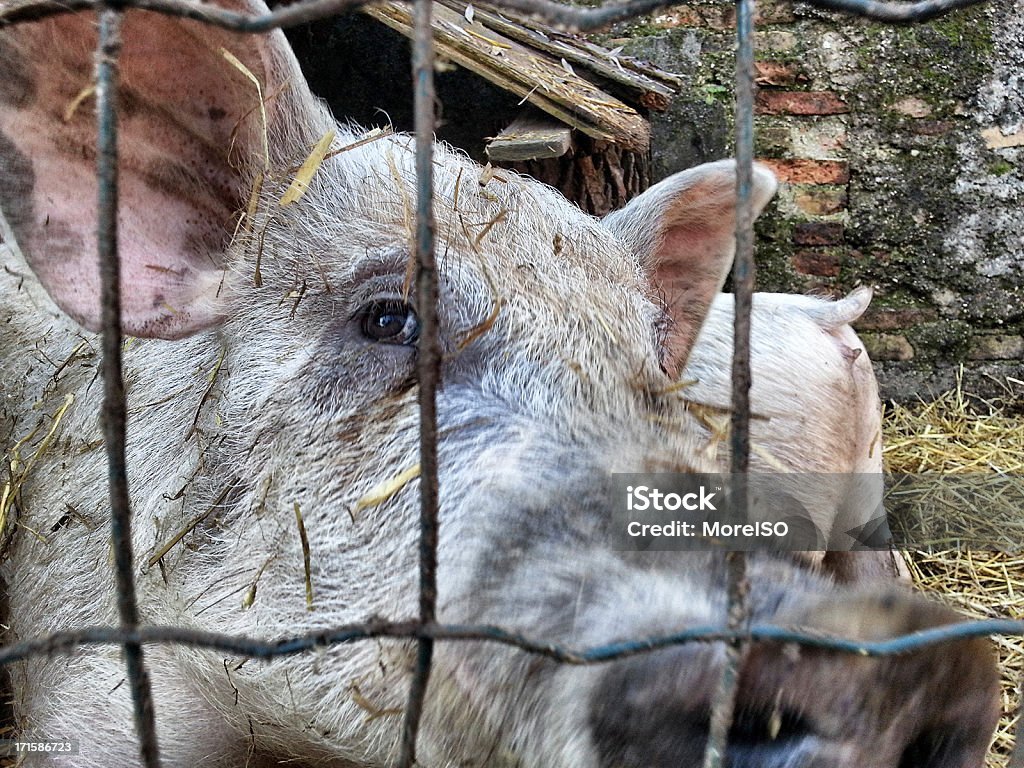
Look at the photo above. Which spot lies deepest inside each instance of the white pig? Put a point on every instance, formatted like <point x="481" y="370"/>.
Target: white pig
<point x="275" y="372"/>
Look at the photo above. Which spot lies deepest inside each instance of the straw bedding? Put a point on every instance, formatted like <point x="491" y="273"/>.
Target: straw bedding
<point x="959" y="434"/>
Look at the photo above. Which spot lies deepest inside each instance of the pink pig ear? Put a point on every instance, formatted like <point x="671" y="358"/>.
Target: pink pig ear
<point x="683" y="231"/>
<point x="189" y="129"/>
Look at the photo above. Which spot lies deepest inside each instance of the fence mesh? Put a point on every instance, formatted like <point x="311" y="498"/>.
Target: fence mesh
<point x="426" y="631"/>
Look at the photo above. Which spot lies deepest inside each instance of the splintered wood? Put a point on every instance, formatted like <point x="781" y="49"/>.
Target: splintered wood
<point x="536" y="77"/>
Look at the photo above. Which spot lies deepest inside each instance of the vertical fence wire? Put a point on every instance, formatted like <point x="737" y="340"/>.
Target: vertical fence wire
<point x="429" y="367"/>
<point x="114" y="416"/>
<point x="724" y="700"/>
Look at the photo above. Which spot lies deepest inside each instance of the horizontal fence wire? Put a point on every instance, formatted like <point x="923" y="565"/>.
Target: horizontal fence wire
<point x="426" y="630"/>
<point x="581" y="19"/>
<point x="67" y="642"/>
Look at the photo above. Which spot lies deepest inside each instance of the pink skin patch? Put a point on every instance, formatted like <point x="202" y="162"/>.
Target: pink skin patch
<point x="178" y="191"/>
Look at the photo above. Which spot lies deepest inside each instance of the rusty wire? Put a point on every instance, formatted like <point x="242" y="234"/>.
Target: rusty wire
<point x="428" y="367"/>
<point x="568" y="17"/>
<point x="738" y="588"/>
<point x="425" y="631"/>
<point x="69" y="641"/>
<point x="114" y="416"/>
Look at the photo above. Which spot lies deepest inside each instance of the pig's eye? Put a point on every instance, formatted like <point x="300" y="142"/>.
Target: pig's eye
<point x="390" y="321"/>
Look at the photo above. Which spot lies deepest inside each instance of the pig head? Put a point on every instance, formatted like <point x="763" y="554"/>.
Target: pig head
<point x="273" y="376"/>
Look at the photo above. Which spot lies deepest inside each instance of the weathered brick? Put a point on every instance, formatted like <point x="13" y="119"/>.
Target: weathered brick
<point x="876" y="257"/>
<point x="678" y="16"/>
<point x="912" y="107"/>
<point x="778" y="73"/>
<point x="887" y="346"/>
<point x="799" y="103"/>
<point x="820" y="139"/>
<point x="798" y="171"/>
<point x="774" y="141"/>
<point x="775" y="40"/>
<point x="994" y="139"/>
<point x="894" y="318"/>
<point x="817" y="263"/>
<point x="820" y="200"/>
<point x="818" y="233"/>
<point x="720" y="18"/>
<point x="932" y="127"/>
<point x="770" y="12"/>
<point x="996" y="347"/>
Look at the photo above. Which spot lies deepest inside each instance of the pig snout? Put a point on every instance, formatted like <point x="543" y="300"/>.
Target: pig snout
<point x="800" y="707"/>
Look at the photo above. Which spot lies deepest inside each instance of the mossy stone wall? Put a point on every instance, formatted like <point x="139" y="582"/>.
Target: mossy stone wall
<point x="900" y="153"/>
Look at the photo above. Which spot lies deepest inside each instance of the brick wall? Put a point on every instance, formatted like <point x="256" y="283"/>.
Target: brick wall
<point x="899" y="151"/>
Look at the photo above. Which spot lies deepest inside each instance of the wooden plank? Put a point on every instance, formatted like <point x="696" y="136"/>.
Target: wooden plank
<point x="531" y="75"/>
<point x="531" y="136"/>
<point x="673" y="81"/>
<point x="620" y="74"/>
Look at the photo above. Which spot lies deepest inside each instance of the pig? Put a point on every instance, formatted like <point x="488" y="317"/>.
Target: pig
<point x="816" y="403"/>
<point x="816" y="412"/>
<point x="272" y="375"/>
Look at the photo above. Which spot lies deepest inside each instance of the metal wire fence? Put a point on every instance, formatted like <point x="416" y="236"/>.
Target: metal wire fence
<point x="426" y="631"/>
